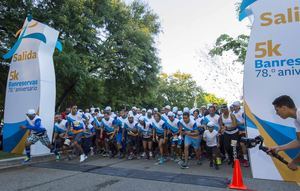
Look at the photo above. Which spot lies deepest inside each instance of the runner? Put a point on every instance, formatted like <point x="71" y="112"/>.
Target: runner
<point x="228" y="124"/>
<point x="160" y="135"/>
<point x="110" y="126"/>
<point x="238" y="112"/>
<point x="212" y="117"/>
<point x="190" y="130"/>
<point x="60" y="134"/>
<point x="37" y="133"/>
<point x="176" y="139"/>
<point x="146" y="131"/>
<point x="211" y="138"/>
<point x="149" y="117"/>
<point x="130" y="133"/>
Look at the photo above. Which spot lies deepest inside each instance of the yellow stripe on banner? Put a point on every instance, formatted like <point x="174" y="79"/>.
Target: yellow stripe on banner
<point x="19" y="149"/>
<point x="285" y="172"/>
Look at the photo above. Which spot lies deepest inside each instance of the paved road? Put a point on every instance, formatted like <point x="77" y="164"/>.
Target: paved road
<point x="113" y="174"/>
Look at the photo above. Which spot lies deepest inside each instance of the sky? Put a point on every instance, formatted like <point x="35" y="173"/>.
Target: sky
<point x="189" y="28"/>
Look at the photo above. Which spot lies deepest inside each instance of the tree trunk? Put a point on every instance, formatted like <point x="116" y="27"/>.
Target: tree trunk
<point x="64" y="95"/>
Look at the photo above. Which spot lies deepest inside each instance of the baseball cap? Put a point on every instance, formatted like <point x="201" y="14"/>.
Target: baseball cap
<point x="179" y="113"/>
<point x="130" y="114"/>
<point x="236" y="103"/>
<point x="171" y="114"/>
<point x="186" y="110"/>
<point x="141" y="118"/>
<point x="168" y="107"/>
<point x="144" y="110"/>
<point x="31" y="112"/>
<point x="108" y="108"/>
<point x="149" y="111"/>
<point x="134" y="108"/>
<point x="155" y="109"/>
<point x="210" y="124"/>
<point x="175" y="109"/>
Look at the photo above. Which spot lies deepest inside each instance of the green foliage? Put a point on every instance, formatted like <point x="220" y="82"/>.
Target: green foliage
<point x="178" y="89"/>
<point x="109" y="55"/>
<point x="207" y="98"/>
<point x="226" y="43"/>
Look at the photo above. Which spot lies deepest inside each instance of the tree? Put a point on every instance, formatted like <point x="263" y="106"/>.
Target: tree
<point x="178" y="89"/>
<point x="207" y="98"/>
<point x="226" y="43"/>
<point x="109" y="55"/>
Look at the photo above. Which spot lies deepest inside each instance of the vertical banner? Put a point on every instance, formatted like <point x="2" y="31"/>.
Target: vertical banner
<point x="272" y="69"/>
<point x="30" y="84"/>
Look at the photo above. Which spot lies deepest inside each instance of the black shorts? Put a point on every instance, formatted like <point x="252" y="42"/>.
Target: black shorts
<point x="147" y="139"/>
<point x="211" y="150"/>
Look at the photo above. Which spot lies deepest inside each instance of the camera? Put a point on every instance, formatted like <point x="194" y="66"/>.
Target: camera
<point x="252" y="142"/>
<point x="259" y="140"/>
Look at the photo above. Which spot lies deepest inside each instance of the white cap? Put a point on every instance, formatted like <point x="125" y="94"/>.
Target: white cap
<point x="186" y="110"/>
<point x="100" y="115"/>
<point x="171" y="114"/>
<point x="142" y="118"/>
<point x="149" y="111"/>
<point x="210" y="124"/>
<point x="175" y="109"/>
<point x="130" y="114"/>
<point x="236" y="103"/>
<point x="179" y="112"/>
<point x="31" y="112"/>
<point x="209" y="105"/>
<point x="134" y="108"/>
<point x="108" y="108"/>
<point x="144" y="110"/>
<point x="155" y="109"/>
<point x="168" y="107"/>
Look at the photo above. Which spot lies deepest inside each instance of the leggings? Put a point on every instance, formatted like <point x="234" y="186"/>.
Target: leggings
<point x="227" y="143"/>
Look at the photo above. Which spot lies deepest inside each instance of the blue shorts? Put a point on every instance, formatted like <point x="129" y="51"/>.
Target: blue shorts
<point x="78" y="137"/>
<point x="191" y="141"/>
<point x="119" y="138"/>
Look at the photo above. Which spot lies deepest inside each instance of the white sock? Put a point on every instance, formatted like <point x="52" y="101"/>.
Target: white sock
<point x="245" y="157"/>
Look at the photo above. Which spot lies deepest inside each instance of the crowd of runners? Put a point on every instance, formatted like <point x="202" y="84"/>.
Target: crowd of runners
<point x="166" y="134"/>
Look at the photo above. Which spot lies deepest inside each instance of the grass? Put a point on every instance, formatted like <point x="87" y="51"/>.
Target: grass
<point x="4" y="155"/>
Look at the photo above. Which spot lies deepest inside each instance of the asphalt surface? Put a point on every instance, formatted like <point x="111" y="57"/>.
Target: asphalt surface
<point x="105" y="174"/>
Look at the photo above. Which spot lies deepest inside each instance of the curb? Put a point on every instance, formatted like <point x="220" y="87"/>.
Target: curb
<point x="18" y="161"/>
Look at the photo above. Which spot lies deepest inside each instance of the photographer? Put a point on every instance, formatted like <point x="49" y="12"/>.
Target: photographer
<point x="285" y="108"/>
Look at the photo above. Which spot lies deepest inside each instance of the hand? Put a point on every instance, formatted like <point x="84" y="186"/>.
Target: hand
<point x="22" y="127"/>
<point x="275" y="149"/>
<point x="293" y="166"/>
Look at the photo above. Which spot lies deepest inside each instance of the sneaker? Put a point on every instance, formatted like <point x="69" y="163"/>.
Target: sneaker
<point x="143" y="154"/>
<point x="184" y="165"/>
<point x="177" y="159"/>
<point x="130" y="157"/>
<point x="211" y="164"/>
<point x="57" y="157"/>
<point x="92" y="151"/>
<point x="26" y="159"/>
<point x="150" y="154"/>
<point x="199" y="162"/>
<point x="120" y="156"/>
<point x="216" y="167"/>
<point x="161" y="161"/>
<point x="82" y="158"/>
